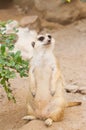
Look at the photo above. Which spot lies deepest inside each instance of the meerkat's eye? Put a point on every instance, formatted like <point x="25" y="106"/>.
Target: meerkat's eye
<point x="41" y="38"/>
<point x="49" y="36"/>
<point x="33" y="44"/>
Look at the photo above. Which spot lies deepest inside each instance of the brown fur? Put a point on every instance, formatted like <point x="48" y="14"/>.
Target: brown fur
<point x="71" y="104"/>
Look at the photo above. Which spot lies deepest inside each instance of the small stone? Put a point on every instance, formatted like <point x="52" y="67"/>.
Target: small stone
<point x="72" y="88"/>
<point x="75" y="89"/>
<point x="82" y="90"/>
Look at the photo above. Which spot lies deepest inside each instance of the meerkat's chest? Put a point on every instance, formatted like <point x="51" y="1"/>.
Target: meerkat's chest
<point x="42" y="66"/>
<point x="43" y="71"/>
<point x="44" y="61"/>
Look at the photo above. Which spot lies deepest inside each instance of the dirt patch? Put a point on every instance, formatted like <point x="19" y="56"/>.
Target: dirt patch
<point x="71" y="52"/>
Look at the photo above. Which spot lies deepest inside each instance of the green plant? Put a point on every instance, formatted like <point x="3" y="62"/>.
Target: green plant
<point x="10" y="62"/>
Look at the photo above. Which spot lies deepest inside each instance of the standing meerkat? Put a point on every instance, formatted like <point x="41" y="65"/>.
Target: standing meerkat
<point x="46" y="98"/>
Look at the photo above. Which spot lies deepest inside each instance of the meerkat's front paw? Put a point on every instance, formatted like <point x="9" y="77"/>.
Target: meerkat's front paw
<point x="33" y="92"/>
<point x="52" y="92"/>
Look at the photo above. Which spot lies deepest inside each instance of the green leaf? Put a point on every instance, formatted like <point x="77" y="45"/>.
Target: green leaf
<point x="3" y="49"/>
<point x="15" y="30"/>
<point x="2" y="81"/>
<point x="2" y="24"/>
<point x="9" y="21"/>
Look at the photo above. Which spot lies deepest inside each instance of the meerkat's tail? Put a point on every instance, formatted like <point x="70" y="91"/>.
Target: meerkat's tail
<point x="72" y="104"/>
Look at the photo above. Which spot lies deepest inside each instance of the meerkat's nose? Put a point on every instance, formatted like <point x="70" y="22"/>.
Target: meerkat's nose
<point x="49" y="36"/>
<point x="49" y="40"/>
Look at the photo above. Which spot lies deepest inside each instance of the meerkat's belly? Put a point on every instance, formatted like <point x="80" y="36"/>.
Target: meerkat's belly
<point x="43" y="108"/>
<point x="43" y="82"/>
<point x="44" y="103"/>
<point x="42" y="97"/>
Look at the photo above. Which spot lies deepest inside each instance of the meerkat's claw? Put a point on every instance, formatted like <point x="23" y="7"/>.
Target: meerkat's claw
<point x="48" y="122"/>
<point x="33" y="94"/>
<point x="52" y="92"/>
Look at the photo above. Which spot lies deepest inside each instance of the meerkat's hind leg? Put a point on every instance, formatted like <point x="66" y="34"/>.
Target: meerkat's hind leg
<point x="48" y="122"/>
<point x="29" y="118"/>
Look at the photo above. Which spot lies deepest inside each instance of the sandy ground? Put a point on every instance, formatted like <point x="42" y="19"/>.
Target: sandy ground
<point x="71" y="51"/>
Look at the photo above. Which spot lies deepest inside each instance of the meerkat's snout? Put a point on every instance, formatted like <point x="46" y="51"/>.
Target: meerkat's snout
<point x="49" y="36"/>
<point x="49" y="39"/>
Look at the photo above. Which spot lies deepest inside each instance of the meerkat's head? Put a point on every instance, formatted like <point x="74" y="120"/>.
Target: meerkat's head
<point x="44" y="41"/>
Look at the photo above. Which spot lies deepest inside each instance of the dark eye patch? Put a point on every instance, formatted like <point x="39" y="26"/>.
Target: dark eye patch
<point x="41" y="38"/>
<point x="49" y="36"/>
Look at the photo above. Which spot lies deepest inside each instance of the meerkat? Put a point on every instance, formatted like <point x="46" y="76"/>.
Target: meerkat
<point x="46" y="99"/>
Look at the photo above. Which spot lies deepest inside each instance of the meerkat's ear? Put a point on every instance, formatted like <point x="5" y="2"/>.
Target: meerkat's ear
<point x="33" y="44"/>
